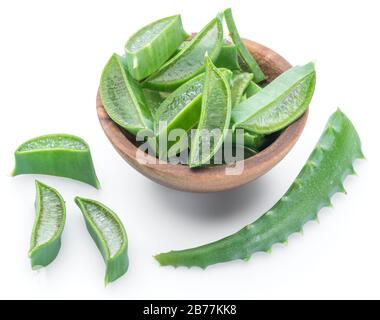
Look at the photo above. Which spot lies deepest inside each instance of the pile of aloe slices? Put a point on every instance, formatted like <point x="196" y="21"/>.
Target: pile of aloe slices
<point x="193" y="97"/>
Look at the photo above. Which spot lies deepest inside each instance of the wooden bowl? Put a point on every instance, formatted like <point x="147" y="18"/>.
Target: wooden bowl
<point x="214" y="178"/>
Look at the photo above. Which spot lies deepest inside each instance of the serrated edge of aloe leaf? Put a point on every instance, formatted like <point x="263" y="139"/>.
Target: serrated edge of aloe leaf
<point x="123" y="71"/>
<point x="171" y="18"/>
<point x="254" y="67"/>
<point x="80" y="203"/>
<point x="210" y="67"/>
<point x="242" y="244"/>
<point x="219" y="42"/>
<point x="58" y="233"/>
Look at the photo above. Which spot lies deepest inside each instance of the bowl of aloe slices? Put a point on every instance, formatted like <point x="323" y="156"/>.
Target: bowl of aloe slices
<point x="202" y="112"/>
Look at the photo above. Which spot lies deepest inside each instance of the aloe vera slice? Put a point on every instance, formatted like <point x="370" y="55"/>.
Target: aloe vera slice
<point x="215" y="115"/>
<point x="239" y="84"/>
<point x="228" y="58"/>
<point x="182" y="108"/>
<point x="279" y="104"/>
<point x="48" y="226"/>
<point x="252" y="89"/>
<point x="250" y="61"/>
<point x="189" y="62"/>
<point x="60" y="155"/>
<point x="151" y="46"/>
<point x="322" y="176"/>
<point x="153" y="100"/>
<point x="252" y="140"/>
<point x="108" y="232"/>
<point x="122" y="97"/>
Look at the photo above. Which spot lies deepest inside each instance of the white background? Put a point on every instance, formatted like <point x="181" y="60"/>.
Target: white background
<point x="52" y="54"/>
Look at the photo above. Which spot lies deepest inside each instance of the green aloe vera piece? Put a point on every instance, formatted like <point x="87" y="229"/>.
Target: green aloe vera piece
<point x="122" y="97"/>
<point x="108" y="232"/>
<point x="148" y="49"/>
<point x="215" y="115"/>
<point x="252" y="89"/>
<point x="322" y="176"/>
<point x="153" y="100"/>
<point x="189" y="62"/>
<point x="182" y="108"/>
<point x="279" y="104"/>
<point x="48" y="226"/>
<point x="60" y="155"/>
<point x="253" y="140"/>
<point x="239" y="84"/>
<point x="228" y="58"/>
<point x="243" y="51"/>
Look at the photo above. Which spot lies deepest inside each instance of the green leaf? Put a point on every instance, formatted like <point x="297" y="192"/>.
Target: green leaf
<point x="151" y="46"/>
<point x="214" y="119"/>
<point x="278" y="104"/>
<point x="189" y="62"/>
<point x="48" y="226"/>
<point x="243" y="51"/>
<point x="322" y="176"/>
<point x="123" y="98"/>
<point x="60" y="155"/>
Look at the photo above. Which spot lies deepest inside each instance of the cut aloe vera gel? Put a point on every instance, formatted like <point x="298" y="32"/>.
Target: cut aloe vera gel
<point x="228" y="58"/>
<point x="189" y="62"/>
<point x="123" y="99"/>
<point x="252" y="89"/>
<point x="321" y="177"/>
<point x="108" y="232"/>
<point x="239" y="84"/>
<point x="279" y="104"/>
<point x="215" y="116"/>
<point x="182" y="109"/>
<point x="48" y="226"/>
<point x="60" y="155"/>
<point x="243" y="51"/>
<point x="153" y="45"/>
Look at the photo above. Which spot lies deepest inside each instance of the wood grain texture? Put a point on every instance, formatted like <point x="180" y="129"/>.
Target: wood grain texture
<point x="211" y="179"/>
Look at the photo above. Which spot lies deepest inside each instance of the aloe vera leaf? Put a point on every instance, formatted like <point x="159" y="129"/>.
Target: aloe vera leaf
<point x="122" y="97"/>
<point x="182" y="109"/>
<point x="189" y="62"/>
<point x="153" y="100"/>
<point x="60" y="155"/>
<point x="228" y="58"/>
<point x="108" y="233"/>
<point x="179" y="109"/>
<point x="322" y="177"/>
<point x="278" y="104"/>
<point x="48" y="226"/>
<point x="253" y="140"/>
<point x="239" y="84"/>
<point x="181" y="104"/>
<point x="151" y="46"/>
<point x="215" y="115"/>
<point x="250" y="61"/>
<point x="252" y="89"/>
